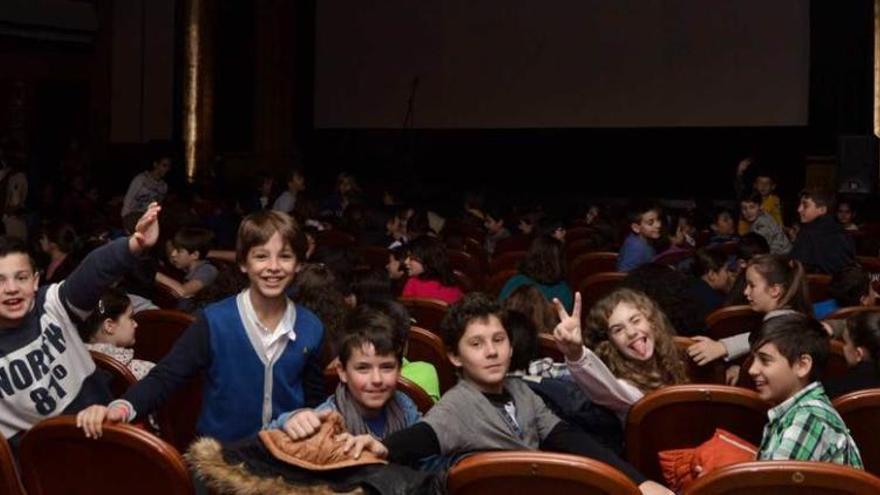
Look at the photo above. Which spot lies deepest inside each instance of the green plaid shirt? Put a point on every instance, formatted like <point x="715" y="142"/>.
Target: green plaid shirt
<point x="807" y="428"/>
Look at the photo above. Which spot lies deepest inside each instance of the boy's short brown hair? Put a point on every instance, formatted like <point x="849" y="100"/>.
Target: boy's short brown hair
<point x="794" y="335"/>
<point x="257" y="228"/>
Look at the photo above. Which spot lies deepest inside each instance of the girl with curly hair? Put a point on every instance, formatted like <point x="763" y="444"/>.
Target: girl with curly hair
<point x="633" y="350"/>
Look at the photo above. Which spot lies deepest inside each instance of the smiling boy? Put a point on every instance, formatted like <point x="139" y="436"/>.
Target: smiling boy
<point x="789" y="354"/>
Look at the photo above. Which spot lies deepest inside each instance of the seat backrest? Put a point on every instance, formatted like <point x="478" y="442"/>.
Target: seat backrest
<point x="466" y="262"/>
<point x="424" y="345"/>
<point x="516" y="472"/>
<point x="844" y="313"/>
<point x="817" y="286"/>
<point x="732" y="320"/>
<point x="577" y="247"/>
<point x="597" y="286"/>
<point x="506" y="261"/>
<point x="711" y="373"/>
<point x="860" y="411"/>
<point x="673" y="258"/>
<point x="870" y="263"/>
<point x="376" y="257"/>
<point x="465" y="282"/>
<point x="516" y="242"/>
<point x="158" y="330"/>
<point x="122" y="376"/>
<point x="682" y="416"/>
<point x="589" y="264"/>
<point x="56" y="458"/>
<point x="785" y="478"/>
<point x="496" y="281"/>
<point x="10" y="483"/>
<point x="428" y="313"/>
<point x="836" y="366"/>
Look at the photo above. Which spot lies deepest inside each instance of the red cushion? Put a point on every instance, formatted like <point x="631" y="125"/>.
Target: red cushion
<point x="682" y="466"/>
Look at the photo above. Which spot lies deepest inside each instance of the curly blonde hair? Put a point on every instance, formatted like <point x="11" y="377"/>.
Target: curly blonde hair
<point x="666" y="366"/>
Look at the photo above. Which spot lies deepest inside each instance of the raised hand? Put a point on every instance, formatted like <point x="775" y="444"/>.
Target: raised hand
<point x="568" y="332"/>
<point x="146" y="233"/>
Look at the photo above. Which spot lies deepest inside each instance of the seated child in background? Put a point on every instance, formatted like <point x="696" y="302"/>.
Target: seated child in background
<point x="189" y="247"/>
<point x="861" y="348"/>
<point x="763" y="185"/>
<point x="110" y="330"/>
<point x="370" y="355"/>
<point x="487" y="410"/>
<point x="849" y="287"/>
<point x="790" y="352"/>
<point x="634" y="349"/>
<point x="430" y="274"/>
<point x="749" y="246"/>
<point x="711" y="281"/>
<point x="645" y="223"/>
<point x="760" y="222"/>
<point x="723" y="227"/>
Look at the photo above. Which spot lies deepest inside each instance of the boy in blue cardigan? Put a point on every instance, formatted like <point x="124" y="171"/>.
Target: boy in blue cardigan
<point x="259" y="350"/>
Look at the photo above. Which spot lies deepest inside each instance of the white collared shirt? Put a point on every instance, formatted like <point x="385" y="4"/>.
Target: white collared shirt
<point x="271" y="339"/>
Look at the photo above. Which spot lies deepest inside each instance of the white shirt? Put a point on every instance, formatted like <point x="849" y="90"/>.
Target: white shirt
<point x="271" y="339"/>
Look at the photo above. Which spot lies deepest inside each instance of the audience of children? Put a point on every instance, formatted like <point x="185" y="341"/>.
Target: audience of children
<point x="543" y="267"/>
<point x="430" y="275"/>
<point x="487" y="410"/>
<point x="764" y="185"/>
<point x="645" y="224"/>
<point x="110" y="329"/>
<point x="295" y="182"/>
<point x="775" y="286"/>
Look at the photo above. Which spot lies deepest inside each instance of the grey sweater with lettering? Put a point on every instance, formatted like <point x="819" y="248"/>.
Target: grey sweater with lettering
<point x="45" y="369"/>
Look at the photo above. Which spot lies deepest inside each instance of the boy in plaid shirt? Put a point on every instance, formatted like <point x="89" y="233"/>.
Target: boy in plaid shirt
<point x="789" y="353"/>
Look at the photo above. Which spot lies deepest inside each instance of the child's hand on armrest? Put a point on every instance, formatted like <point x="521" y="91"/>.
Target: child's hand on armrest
<point x="92" y="418"/>
<point x="706" y="350"/>
<point x="654" y="488"/>
<point x="355" y="444"/>
<point x="568" y="332"/>
<point x="305" y="423"/>
<point x="147" y="230"/>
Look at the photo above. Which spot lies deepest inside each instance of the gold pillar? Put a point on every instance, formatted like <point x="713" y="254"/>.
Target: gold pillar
<point x="877" y="68"/>
<point x="198" y="86"/>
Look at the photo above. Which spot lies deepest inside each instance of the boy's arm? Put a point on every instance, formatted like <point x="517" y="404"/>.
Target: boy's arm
<point x="412" y="444"/>
<point x="181" y="290"/>
<point x="569" y="439"/>
<point x="107" y="264"/>
<point x="190" y="354"/>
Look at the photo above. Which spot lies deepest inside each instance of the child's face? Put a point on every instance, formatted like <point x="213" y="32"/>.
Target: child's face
<point x="525" y="227"/>
<point x="395" y="270"/>
<point x="809" y="211"/>
<point x="764" y="185"/>
<point x="775" y="378"/>
<point x="724" y="224"/>
<point x="371" y="378"/>
<point x="720" y="280"/>
<point x="844" y="214"/>
<point x="414" y="266"/>
<point x="648" y="226"/>
<point x="750" y="211"/>
<point x="297" y="183"/>
<point x="122" y="330"/>
<point x="762" y="296"/>
<point x="270" y="267"/>
<point x="853" y="354"/>
<point x="182" y="258"/>
<point x="161" y="167"/>
<point x="18" y="284"/>
<point x="484" y="353"/>
<point x="631" y="332"/>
